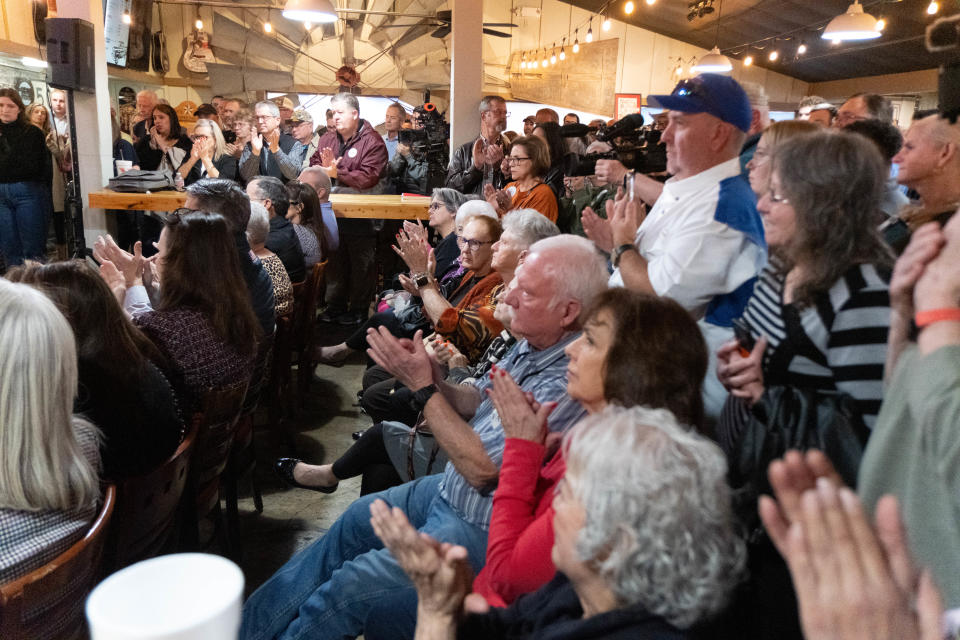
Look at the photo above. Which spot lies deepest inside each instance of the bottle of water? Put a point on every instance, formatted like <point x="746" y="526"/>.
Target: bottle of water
<point x="178" y="181"/>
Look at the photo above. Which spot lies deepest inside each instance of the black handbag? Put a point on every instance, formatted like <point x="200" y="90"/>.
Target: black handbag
<point x="140" y="181"/>
<point x="788" y="417"/>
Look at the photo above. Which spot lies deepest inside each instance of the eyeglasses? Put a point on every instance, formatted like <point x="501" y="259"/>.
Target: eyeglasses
<point x="174" y="217"/>
<point x="776" y="199"/>
<point x="498" y="112"/>
<point x="199" y="137"/>
<point x="516" y="159"/>
<point x="473" y="245"/>
<point x="267" y="117"/>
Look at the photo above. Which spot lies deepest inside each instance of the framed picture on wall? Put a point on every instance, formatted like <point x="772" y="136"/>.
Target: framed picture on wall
<point x="627" y="103"/>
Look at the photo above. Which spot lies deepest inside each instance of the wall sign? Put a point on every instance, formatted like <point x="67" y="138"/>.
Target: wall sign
<point x="628" y="103"/>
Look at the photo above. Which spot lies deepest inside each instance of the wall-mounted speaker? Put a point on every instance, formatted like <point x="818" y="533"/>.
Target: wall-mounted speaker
<point x="70" y="54"/>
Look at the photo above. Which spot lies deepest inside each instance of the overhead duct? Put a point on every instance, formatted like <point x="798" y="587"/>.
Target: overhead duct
<point x="232" y="36"/>
<point x="226" y="79"/>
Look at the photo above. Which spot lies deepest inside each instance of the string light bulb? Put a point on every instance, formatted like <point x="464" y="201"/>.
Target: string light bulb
<point x="198" y="23"/>
<point x="125" y="18"/>
<point x="933" y="7"/>
<point x="881" y="23"/>
<point x="553" y="54"/>
<point x="267" y="27"/>
<point x="774" y="55"/>
<point x="802" y="49"/>
<point x="629" y="7"/>
<point x="651" y="2"/>
<point x="563" y="54"/>
<point x="748" y="61"/>
<point x="576" y="41"/>
<point x="607" y="23"/>
<point x="589" y="37"/>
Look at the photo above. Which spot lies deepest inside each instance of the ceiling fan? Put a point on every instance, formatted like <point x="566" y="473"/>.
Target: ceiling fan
<point x="443" y="19"/>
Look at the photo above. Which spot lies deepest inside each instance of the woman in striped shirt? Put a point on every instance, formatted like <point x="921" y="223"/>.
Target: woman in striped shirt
<point x="821" y="310"/>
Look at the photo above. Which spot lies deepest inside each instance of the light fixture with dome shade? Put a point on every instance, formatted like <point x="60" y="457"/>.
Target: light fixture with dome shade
<point x="310" y="11"/>
<point x="715" y="61"/>
<point x="855" y="24"/>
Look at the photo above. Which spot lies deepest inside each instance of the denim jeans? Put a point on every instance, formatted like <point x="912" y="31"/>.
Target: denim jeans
<point x="338" y="585"/>
<point x="24" y="207"/>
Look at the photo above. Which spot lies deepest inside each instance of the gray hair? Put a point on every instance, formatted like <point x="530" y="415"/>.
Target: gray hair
<point x="487" y="102"/>
<point x="270" y="106"/>
<point x="756" y="95"/>
<point x="258" y="227"/>
<point x="659" y="526"/>
<point x="219" y="144"/>
<point x="939" y="131"/>
<point x="449" y="198"/>
<point x="44" y="466"/>
<point x="529" y="225"/>
<point x="347" y="100"/>
<point x="475" y="207"/>
<point x="580" y="270"/>
<point x="316" y="178"/>
<point x="150" y="93"/>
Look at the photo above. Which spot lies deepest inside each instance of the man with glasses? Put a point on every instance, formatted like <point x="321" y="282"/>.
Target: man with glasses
<point x="863" y="106"/>
<point x="269" y="152"/>
<point x="702" y="242"/>
<point x="302" y="131"/>
<point x="281" y="239"/>
<point x="477" y="163"/>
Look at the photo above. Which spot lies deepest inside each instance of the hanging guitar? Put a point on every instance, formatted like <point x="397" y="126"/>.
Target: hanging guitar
<point x="161" y="61"/>
<point x="197" y="52"/>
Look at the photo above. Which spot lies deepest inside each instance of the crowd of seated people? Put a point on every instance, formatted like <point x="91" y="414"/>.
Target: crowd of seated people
<point x="728" y="411"/>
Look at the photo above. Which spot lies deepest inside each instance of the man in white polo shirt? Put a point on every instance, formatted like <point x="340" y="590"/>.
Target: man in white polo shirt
<point x="702" y="242"/>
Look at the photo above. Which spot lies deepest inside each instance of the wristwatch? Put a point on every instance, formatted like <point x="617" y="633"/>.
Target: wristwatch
<point x="619" y="251"/>
<point x="421" y="280"/>
<point x="421" y="396"/>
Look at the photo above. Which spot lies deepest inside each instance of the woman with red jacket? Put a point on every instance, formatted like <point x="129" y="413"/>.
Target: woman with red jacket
<point x="635" y="349"/>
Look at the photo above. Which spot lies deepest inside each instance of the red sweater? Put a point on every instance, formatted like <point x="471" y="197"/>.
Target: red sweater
<point x="521" y="527"/>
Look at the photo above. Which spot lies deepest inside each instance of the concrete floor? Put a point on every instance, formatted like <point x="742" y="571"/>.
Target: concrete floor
<point x="293" y="518"/>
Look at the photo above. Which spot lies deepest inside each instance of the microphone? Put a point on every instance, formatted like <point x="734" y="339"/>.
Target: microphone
<point x="626" y="124"/>
<point x="575" y="130"/>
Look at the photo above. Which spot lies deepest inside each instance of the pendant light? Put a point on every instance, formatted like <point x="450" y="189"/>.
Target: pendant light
<point x="714" y="62"/>
<point x="855" y="24"/>
<point x="576" y="41"/>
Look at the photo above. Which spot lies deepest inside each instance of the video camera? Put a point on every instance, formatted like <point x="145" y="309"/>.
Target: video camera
<point x="635" y="146"/>
<point x="431" y="139"/>
<point x="943" y="36"/>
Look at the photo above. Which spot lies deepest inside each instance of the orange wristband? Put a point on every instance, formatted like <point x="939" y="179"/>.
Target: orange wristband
<point x="926" y="318"/>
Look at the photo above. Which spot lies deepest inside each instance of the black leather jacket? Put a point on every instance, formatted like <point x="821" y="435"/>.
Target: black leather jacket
<point x="466" y="178"/>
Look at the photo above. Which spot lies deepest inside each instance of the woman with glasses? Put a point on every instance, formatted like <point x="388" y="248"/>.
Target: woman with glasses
<point x="529" y="162"/>
<point x="472" y="291"/>
<point x="244" y="126"/>
<point x="819" y="314"/>
<point x="209" y="152"/>
<point x="306" y="216"/>
<point x="199" y="312"/>
<point x="774" y="135"/>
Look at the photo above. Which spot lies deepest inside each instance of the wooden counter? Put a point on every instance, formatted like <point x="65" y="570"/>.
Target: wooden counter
<point x="345" y="205"/>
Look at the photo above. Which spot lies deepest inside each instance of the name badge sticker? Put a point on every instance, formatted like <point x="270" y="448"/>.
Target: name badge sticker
<point x="352" y="153"/>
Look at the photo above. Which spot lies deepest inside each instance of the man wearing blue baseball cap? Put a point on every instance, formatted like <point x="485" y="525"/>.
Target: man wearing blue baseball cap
<point x="702" y="242"/>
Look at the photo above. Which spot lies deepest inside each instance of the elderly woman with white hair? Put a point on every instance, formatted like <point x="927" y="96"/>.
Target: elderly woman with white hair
<point x="645" y="542"/>
<point x="49" y="484"/>
<point x="258" y="227"/>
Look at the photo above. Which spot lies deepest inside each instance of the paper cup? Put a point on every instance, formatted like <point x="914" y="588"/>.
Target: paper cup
<point x="186" y="596"/>
<point x="124" y="165"/>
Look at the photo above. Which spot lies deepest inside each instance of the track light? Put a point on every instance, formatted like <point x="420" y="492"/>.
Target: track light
<point x="748" y="61"/>
<point x="629" y="7"/>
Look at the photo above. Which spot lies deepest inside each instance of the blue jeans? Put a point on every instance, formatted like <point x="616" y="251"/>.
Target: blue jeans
<point x="24" y="207"/>
<point x="336" y="587"/>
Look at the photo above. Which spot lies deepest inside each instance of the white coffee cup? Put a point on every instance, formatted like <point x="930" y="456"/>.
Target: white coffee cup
<point x="185" y="596"/>
<point x="124" y="165"/>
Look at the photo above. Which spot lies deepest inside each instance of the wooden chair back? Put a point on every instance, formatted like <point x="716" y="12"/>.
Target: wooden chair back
<point x="215" y="422"/>
<point x="305" y="306"/>
<point x="48" y="602"/>
<point x="146" y="515"/>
